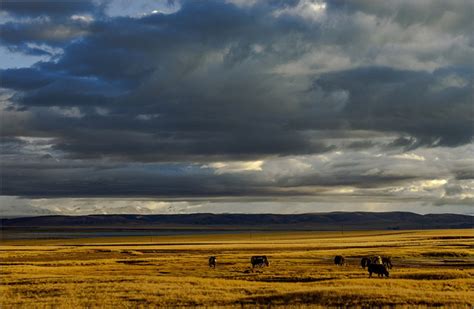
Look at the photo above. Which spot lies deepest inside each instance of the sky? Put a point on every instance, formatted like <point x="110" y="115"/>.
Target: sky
<point x="236" y="106"/>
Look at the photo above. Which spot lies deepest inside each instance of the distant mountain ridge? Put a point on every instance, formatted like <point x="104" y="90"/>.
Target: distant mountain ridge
<point x="308" y="221"/>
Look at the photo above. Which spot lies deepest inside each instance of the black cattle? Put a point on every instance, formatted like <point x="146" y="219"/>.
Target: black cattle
<point x="339" y="260"/>
<point x="379" y="269"/>
<point x="259" y="260"/>
<point x="212" y="261"/>
<point x="364" y="262"/>
<point x="387" y="262"/>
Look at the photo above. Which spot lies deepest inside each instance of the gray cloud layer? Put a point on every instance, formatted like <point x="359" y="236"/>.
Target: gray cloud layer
<point x="138" y="105"/>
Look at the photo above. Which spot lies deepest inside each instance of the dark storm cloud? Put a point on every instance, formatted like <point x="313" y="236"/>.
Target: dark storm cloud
<point x="35" y="8"/>
<point x="216" y="81"/>
<point x="356" y="180"/>
<point x="165" y="53"/>
<point x="361" y="145"/>
<point x="383" y="99"/>
<point x="26" y="79"/>
<point x="48" y="177"/>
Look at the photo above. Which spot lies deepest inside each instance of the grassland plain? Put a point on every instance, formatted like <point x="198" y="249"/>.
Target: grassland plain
<point x="431" y="268"/>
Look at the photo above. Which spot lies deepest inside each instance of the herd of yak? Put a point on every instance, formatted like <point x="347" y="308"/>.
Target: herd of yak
<point x="374" y="264"/>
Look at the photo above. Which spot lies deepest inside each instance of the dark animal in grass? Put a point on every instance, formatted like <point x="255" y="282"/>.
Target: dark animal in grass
<point x="339" y="260"/>
<point x="387" y="262"/>
<point x="378" y="269"/>
<point x="364" y="262"/>
<point x="259" y="260"/>
<point x="212" y="261"/>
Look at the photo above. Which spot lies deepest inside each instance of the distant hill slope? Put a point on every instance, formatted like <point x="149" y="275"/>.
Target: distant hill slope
<point x="310" y="221"/>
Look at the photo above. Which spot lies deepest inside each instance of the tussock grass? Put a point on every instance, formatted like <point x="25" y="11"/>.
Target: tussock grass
<point x="445" y="254"/>
<point x="436" y="275"/>
<point x="135" y="272"/>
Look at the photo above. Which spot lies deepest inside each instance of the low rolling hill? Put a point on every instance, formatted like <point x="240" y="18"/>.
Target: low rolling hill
<point x="309" y="221"/>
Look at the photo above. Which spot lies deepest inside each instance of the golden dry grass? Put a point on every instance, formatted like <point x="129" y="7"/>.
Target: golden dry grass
<point x="431" y="268"/>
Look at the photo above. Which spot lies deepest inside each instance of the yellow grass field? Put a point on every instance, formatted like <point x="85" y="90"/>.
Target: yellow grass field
<point x="431" y="268"/>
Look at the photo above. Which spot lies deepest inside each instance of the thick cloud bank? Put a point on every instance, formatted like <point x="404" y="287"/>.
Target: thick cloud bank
<point x="336" y="101"/>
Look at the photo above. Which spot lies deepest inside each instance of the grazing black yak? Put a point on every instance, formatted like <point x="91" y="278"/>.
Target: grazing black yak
<point x="339" y="260"/>
<point x="387" y="262"/>
<point x="379" y="269"/>
<point x="212" y="261"/>
<point x="259" y="260"/>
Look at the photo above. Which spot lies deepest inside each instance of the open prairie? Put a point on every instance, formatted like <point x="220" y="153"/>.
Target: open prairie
<point x="431" y="268"/>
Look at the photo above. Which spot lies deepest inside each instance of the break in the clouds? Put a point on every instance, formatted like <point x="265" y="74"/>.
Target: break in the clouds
<point x="217" y="105"/>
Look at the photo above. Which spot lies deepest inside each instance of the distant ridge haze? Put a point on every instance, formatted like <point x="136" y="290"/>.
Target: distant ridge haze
<point x="307" y="221"/>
